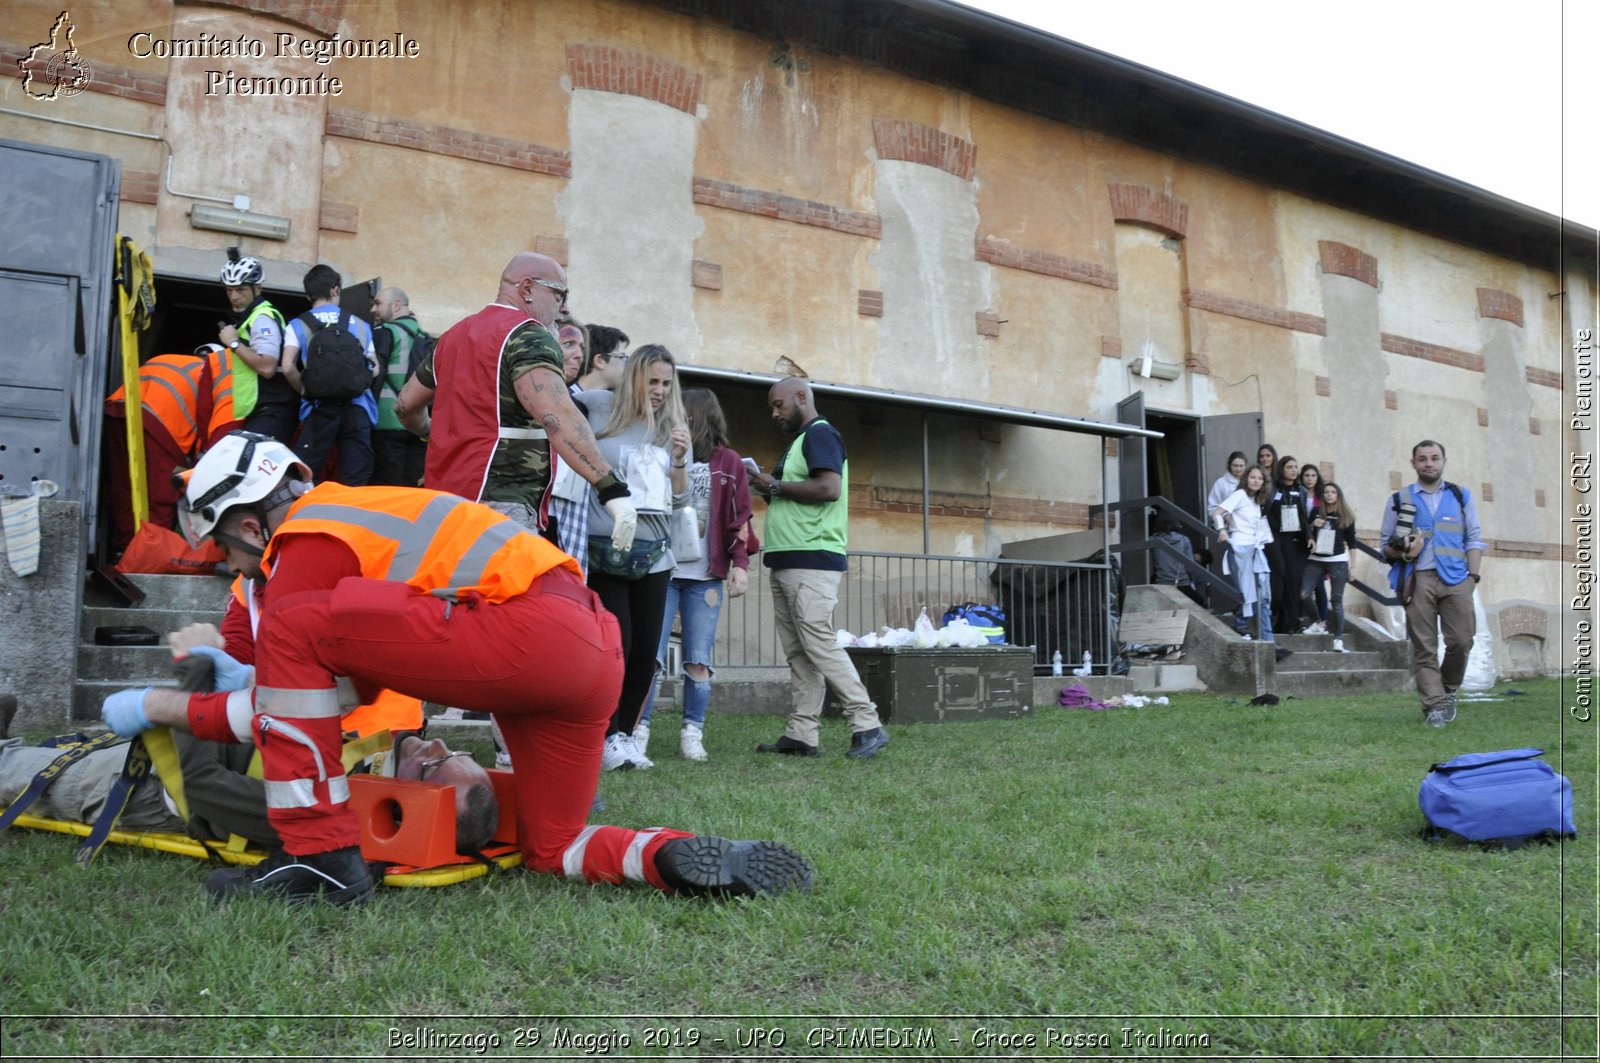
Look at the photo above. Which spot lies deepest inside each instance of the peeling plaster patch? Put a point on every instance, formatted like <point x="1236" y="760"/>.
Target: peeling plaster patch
<point x="932" y="285"/>
<point x="963" y="546"/>
<point x="630" y="220"/>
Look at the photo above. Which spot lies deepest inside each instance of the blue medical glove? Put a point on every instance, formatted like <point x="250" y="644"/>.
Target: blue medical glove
<point x="123" y="712"/>
<point x="226" y="673"/>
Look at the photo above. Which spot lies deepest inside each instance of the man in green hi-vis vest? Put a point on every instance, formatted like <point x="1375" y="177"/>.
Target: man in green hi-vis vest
<point x="806" y="532"/>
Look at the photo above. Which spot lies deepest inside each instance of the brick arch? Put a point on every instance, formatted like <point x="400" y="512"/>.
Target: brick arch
<point x="1146" y="206"/>
<point x="1492" y="302"/>
<point x="1345" y="261"/>
<point x="914" y="142"/>
<point x="320" y="16"/>
<point x="593" y="66"/>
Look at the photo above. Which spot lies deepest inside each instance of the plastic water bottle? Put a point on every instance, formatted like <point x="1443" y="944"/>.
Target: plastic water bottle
<point x="1088" y="663"/>
<point x="1055" y="663"/>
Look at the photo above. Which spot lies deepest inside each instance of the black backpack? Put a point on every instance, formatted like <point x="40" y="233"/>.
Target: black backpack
<point x="421" y="345"/>
<point x="333" y="365"/>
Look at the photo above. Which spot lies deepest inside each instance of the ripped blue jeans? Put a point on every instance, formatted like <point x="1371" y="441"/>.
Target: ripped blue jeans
<point x="698" y="604"/>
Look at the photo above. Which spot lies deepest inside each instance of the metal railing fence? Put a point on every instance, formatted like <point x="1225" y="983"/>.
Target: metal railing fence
<point x="1049" y="605"/>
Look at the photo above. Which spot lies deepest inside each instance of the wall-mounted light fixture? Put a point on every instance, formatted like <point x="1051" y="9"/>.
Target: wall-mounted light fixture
<point x="1153" y="367"/>
<point x="240" y="222"/>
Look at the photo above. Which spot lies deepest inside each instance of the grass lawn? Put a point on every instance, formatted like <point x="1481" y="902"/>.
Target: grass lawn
<point x="1207" y="878"/>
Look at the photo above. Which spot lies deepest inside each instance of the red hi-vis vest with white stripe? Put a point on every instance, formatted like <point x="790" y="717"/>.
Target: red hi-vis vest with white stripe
<point x="466" y="429"/>
<point x="440" y="544"/>
<point x="170" y="392"/>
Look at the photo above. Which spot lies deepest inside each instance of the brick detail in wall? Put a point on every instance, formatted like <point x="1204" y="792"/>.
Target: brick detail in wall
<point x="1394" y="481"/>
<point x="1146" y="206"/>
<point x="323" y="16"/>
<point x="1501" y="305"/>
<point x="973" y="506"/>
<point x="603" y="69"/>
<point x="707" y="275"/>
<point x="988" y="324"/>
<point x="1196" y="363"/>
<point x="1483" y="417"/>
<point x="145" y="84"/>
<point x="1111" y="346"/>
<point x="1487" y="494"/>
<point x="1391" y="401"/>
<point x="869" y="303"/>
<point x="1001" y="253"/>
<point x="444" y="140"/>
<point x="1524" y="620"/>
<point x="1199" y="299"/>
<point x="1112" y="449"/>
<point x="1327" y="469"/>
<point x="140" y="186"/>
<point x="339" y="217"/>
<point x="1538" y="497"/>
<point x="914" y="142"/>
<point x="1534" y="426"/>
<point x="1345" y="261"/>
<point x="1543" y="377"/>
<point x="1431" y="352"/>
<point x="1324" y="386"/>
<point x="786" y="208"/>
<point x="553" y="246"/>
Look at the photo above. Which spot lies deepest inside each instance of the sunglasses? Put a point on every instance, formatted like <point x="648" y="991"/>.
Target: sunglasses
<point x="433" y="762"/>
<point x="560" y="289"/>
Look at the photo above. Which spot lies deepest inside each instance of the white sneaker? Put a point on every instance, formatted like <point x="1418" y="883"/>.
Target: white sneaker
<point x="638" y="758"/>
<point x="1247" y="638"/>
<point x="1338" y="646"/>
<point x="1319" y="628"/>
<point x="618" y="753"/>
<point x="689" y="743"/>
<point x="641" y="737"/>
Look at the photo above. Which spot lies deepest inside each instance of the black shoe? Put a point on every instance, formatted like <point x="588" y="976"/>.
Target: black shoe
<point x="338" y="877"/>
<point x="8" y="712"/>
<point x="867" y="743"/>
<point x="788" y="746"/>
<point x="708" y="866"/>
<point x="1281" y="653"/>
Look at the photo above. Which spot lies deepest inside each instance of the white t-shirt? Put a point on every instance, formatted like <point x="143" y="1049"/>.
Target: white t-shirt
<point x="1249" y="525"/>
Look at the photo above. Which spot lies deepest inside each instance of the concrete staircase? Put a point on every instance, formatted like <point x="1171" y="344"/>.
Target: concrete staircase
<point x="170" y="602"/>
<point x="1226" y="663"/>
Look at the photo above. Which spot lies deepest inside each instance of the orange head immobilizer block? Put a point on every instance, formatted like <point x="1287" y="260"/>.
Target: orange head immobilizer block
<point x="413" y="823"/>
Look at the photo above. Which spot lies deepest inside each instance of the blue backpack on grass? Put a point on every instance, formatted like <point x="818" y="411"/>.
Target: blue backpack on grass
<point x="1504" y="799"/>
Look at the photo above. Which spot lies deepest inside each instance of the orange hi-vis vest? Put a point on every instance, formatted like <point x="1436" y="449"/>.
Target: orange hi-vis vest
<point x="440" y="544"/>
<point x="223" y="419"/>
<point x="170" y="392"/>
<point x="389" y="711"/>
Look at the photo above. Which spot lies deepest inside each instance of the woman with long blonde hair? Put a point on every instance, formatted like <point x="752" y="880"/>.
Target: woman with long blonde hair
<point x="641" y="432"/>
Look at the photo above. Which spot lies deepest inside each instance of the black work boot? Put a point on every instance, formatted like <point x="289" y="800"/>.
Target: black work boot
<point x="337" y="877"/>
<point x="867" y="743"/>
<point x="788" y="746"/>
<point x="708" y="866"/>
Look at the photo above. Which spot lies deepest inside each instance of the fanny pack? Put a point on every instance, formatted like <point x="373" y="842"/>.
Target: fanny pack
<point x="631" y="564"/>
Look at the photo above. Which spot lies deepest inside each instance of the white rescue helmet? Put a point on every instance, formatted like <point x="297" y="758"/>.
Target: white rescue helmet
<point x="207" y="349"/>
<point x="241" y="469"/>
<point x="237" y="271"/>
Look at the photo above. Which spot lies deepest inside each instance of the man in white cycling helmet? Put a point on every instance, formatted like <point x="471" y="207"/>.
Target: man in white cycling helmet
<point x="254" y="340"/>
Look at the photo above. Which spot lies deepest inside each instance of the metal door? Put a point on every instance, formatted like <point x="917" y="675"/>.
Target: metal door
<point x="57" y="221"/>
<point x="1220" y="436"/>
<point x="1132" y="482"/>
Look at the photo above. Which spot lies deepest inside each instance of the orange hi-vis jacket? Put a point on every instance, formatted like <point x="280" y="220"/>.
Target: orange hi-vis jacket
<point x="223" y="419"/>
<point x="175" y="393"/>
<point x="441" y="544"/>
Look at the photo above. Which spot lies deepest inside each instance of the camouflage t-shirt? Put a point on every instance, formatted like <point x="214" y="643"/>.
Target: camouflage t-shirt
<point x="520" y="468"/>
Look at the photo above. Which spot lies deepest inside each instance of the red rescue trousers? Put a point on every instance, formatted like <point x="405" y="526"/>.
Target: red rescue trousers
<point x="547" y="664"/>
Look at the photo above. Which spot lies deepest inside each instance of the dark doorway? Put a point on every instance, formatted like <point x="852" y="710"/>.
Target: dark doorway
<point x="187" y="314"/>
<point x="1172" y="463"/>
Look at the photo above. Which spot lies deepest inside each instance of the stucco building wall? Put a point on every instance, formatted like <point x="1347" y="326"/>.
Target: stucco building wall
<point x="739" y="199"/>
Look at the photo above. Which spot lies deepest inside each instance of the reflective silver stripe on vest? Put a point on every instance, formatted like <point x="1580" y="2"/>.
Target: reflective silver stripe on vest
<point x="523" y="433"/>
<point x="413" y="537"/>
<point x="186" y="406"/>
<point x="633" y="859"/>
<point x="298" y="704"/>
<point x="572" y="858"/>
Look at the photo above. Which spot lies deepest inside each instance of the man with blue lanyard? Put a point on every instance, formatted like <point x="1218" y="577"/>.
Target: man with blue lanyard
<point x="1432" y="537"/>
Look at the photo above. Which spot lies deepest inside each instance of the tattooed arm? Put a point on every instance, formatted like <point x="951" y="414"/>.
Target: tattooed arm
<point x="543" y="393"/>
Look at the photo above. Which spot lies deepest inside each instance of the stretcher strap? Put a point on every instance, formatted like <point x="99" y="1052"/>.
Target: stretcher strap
<point x="41" y="782"/>
<point x="134" y="769"/>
